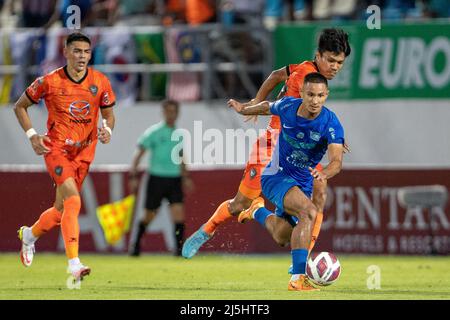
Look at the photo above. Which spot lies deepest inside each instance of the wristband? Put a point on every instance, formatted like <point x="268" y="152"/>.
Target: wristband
<point x="109" y="130"/>
<point x="106" y="127"/>
<point x="30" y="132"/>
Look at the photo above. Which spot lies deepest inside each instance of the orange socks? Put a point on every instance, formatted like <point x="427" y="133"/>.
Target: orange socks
<point x="69" y="225"/>
<point x="316" y="230"/>
<point x="221" y="215"/>
<point x="48" y="219"/>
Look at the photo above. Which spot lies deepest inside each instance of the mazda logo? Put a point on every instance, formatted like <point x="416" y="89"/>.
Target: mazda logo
<point x="79" y="109"/>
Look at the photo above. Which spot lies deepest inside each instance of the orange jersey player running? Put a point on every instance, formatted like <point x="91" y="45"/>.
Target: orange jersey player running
<point x="74" y="96"/>
<point x="333" y="48"/>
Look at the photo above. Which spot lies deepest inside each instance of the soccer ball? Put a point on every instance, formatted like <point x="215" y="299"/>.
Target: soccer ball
<point x="323" y="268"/>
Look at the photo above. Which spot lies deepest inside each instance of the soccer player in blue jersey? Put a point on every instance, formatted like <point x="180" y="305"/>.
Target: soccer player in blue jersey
<point x="309" y="130"/>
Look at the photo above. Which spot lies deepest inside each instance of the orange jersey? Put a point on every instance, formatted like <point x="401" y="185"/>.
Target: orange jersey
<point x="294" y="84"/>
<point x="73" y="108"/>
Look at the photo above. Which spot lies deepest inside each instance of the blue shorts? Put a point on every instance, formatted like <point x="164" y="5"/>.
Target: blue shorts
<point x="275" y="187"/>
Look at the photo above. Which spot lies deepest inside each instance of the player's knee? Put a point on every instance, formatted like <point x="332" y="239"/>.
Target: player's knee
<point x="311" y="212"/>
<point x="281" y="240"/>
<point x="238" y="205"/>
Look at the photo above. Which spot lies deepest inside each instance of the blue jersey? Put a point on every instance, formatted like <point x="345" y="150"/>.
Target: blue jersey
<point x="302" y="142"/>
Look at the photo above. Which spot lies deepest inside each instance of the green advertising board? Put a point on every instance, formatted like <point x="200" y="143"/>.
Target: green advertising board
<point x="396" y="61"/>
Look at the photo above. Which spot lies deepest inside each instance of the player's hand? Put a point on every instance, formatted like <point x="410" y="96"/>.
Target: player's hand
<point x="103" y="134"/>
<point x="318" y="175"/>
<point x="346" y="148"/>
<point x="133" y="184"/>
<point x="188" y="185"/>
<point x="38" y="144"/>
<point x="237" y="106"/>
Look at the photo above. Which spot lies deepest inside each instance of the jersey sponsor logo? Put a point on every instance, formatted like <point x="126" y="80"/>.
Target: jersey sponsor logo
<point x="314" y="135"/>
<point x="79" y="109"/>
<point x="105" y="99"/>
<point x="300" y="135"/>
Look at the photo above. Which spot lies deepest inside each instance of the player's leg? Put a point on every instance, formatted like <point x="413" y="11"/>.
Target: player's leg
<point x="149" y="215"/>
<point x="280" y="229"/>
<point x="154" y="194"/>
<point x="249" y="188"/>
<point x="29" y="235"/>
<point x="177" y="213"/>
<point x="176" y="198"/>
<point x="297" y="204"/>
<point x="226" y="210"/>
<point x="284" y="193"/>
<point x="319" y="200"/>
<point x="223" y="213"/>
<point x="70" y="227"/>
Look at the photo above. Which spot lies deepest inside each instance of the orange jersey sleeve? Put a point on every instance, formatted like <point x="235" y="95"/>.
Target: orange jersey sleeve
<point x="294" y="82"/>
<point x="107" y="98"/>
<point x="36" y="91"/>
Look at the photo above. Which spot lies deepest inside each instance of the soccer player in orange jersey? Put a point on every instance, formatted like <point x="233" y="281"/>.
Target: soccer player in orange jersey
<point x="333" y="48"/>
<point x="74" y="95"/>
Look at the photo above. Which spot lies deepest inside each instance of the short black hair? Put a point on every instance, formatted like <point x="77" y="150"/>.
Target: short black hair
<point x="315" y="77"/>
<point x="334" y="40"/>
<point x="77" y="36"/>
<point x="170" y="102"/>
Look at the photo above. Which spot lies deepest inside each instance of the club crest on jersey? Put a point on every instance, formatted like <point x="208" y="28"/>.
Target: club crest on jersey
<point x="332" y="133"/>
<point x="93" y="89"/>
<point x="79" y="109"/>
<point x="58" y="170"/>
<point x="314" y="135"/>
<point x="252" y="173"/>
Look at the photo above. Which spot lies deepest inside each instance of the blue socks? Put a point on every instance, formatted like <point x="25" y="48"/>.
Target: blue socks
<point x="261" y="215"/>
<point x="299" y="257"/>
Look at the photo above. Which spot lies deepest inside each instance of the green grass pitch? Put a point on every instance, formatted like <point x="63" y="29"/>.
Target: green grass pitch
<point x="219" y="277"/>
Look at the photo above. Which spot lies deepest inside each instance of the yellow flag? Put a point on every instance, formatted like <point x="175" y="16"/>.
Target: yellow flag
<point x="115" y="218"/>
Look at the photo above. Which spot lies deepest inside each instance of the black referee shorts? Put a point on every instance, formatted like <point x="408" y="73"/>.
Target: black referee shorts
<point x="159" y="188"/>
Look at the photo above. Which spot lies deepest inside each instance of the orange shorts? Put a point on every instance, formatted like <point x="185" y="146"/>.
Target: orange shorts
<point x="259" y="158"/>
<point x="61" y="167"/>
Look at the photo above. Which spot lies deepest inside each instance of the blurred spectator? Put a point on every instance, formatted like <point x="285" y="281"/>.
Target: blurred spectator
<point x="174" y="12"/>
<point x="200" y="11"/>
<point x="104" y="13"/>
<point x="241" y="11"/>
<point x="62" y="13"/>
<point x="437" y="8"/>
<point x="400" y="9"/>
<point x="140" y="12"/>
<point x="280" y="10"/>
<point x="36" y="14"/>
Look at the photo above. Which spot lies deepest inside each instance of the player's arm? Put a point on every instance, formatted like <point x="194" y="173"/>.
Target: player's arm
<point x="275" y="77"/>
<point x="21" y="111"/>
<point x="262" y="108"/>
<point x="188" y="184"/>
<point x="108" y="123"/>
<point x="133" y="174"/>
<point x="335" y="154"/>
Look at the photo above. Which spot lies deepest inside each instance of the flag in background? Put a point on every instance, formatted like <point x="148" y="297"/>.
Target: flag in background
<point x="182" y="48"/>
<point x="115" y="218"/>
<point x="150" y="50"/>
<point x="6" y="81"/>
